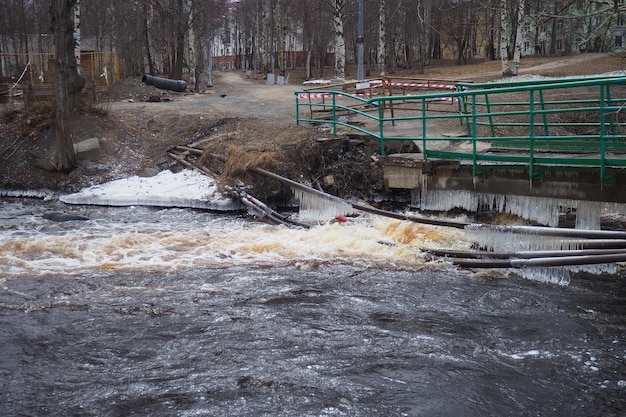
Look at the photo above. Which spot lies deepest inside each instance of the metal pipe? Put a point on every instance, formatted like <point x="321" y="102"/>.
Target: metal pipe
<point x="549" y="231"/>
<point x="534" y="262"/>
<point x="165" y="83"/>
<point x="522" y="254"/>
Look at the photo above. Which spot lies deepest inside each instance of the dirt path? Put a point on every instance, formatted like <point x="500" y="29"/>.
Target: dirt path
<point x="570" y="65"/>
<point x="231" y="96"/>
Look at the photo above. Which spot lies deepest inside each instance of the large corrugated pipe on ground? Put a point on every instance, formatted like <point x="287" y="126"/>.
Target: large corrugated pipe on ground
<point x="165" y="83"/>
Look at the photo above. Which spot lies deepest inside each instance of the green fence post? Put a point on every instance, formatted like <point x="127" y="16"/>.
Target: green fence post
<point x="297" y="109"/>
<point x="602" y="133"/>
<point x="488" y="108"/>
<point x="545" y="116"/>
<point x="474" y="156"/>
<point x="334" y="113"/>
<point x="424" y="128"/>
<point x="380" y="128"/>
<point x="531" y="135"/>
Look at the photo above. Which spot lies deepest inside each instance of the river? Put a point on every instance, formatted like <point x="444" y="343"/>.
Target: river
<point x="176" y="312"/>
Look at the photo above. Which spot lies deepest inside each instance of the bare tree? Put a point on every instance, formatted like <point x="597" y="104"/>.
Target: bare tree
<point x="340" y="42"/>
<point x="68" y="81"/>
<point x="424" y="14"/>
<point x="492" y="8"/>
<point x="517" y="51"/>
<point x="382" y="37"/>
<point x="181" y="13"/>
<point x="504" y="38"/>
<point x="265" y="39"/>
<point x="316" y="33"/>
<point x="280" y="31"/>
<point x="146" y="36"/>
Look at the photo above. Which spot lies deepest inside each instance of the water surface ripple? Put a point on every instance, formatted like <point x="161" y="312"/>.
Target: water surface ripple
<point x="329" y="341"/>
<point x="142" y="312"/>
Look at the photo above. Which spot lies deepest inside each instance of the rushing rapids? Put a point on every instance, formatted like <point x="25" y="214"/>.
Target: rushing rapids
<point x="137" y="310"/>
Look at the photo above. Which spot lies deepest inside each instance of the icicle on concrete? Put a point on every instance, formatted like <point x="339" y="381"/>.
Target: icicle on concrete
<point x="539" y="209"/>
<point x="588" y="215"/>
<point x="443" y="200"/>
<point x="317" y="208"/>
<point x="492" y="239"/>
<point x="558" y="275"/>
<point x="543" y="210"/>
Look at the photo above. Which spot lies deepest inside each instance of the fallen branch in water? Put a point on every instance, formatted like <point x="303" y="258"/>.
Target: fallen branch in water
<point x="253" y="204"/>
<point x="596" y="246"/>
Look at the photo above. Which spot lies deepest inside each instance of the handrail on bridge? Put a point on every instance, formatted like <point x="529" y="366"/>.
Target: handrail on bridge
<point x="566" y="124"/>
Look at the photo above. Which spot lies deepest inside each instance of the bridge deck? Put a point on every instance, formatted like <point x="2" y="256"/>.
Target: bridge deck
<point x="554" y="139"/>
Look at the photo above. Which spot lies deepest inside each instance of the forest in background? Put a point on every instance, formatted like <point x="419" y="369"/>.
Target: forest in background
<point x="178" y="38"/>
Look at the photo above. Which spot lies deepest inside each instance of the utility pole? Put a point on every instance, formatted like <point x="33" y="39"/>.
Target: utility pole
<point x="272" y="46"/>
<point x="360" y="42"/>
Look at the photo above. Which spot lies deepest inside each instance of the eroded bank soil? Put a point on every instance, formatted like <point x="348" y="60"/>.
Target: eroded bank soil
<point x="245" y="123"/>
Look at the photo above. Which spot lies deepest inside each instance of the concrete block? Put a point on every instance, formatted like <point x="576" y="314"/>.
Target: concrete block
<point x="148" y="172"/>
<point x="88" y="149"/>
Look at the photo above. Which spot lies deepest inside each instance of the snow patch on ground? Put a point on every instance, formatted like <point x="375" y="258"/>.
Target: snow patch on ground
<point x="167" y="189"/>
<point x="532" y="77"/>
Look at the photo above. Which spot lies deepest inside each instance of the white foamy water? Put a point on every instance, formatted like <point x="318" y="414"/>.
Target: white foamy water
<point x="143" y="239"/>
<point x="120" y="229"/>
<point x="140" y="237"/>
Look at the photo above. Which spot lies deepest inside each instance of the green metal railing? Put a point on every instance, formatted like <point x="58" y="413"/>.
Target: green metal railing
<point x="568" y="124"/>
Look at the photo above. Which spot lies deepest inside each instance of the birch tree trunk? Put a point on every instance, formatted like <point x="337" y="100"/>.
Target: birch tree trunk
<point x="424" y="24"/>
<point x="60" y="11"/>
<point x="179" y="47"/>
<point x="265" y="48"/>
<point x="517" y="54"/>
<point x="192" y="60"/>
<point x="382" y="36"/>
<point x="340" y="43"/>
<point x="504" y="39"/>
<point x="281" y="35"/>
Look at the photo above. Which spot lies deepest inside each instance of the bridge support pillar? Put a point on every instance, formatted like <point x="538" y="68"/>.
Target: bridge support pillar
<point x="443" y="185"/>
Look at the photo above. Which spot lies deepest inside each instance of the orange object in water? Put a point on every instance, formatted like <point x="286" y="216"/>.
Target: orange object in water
<point x="342" y="219"/>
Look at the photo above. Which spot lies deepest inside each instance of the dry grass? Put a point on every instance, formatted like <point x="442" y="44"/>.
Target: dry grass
<point x="240" y="159"/>
<point x="32" y="120"/>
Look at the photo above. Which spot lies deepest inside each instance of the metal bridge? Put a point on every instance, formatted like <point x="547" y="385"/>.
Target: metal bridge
<point x="560" y="139"/>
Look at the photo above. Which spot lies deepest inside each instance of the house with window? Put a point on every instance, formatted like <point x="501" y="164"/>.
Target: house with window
<point x="554" y="27"/>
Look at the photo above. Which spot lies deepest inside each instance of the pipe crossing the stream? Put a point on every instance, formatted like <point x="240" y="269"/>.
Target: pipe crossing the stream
<point x="596" y="246"/>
